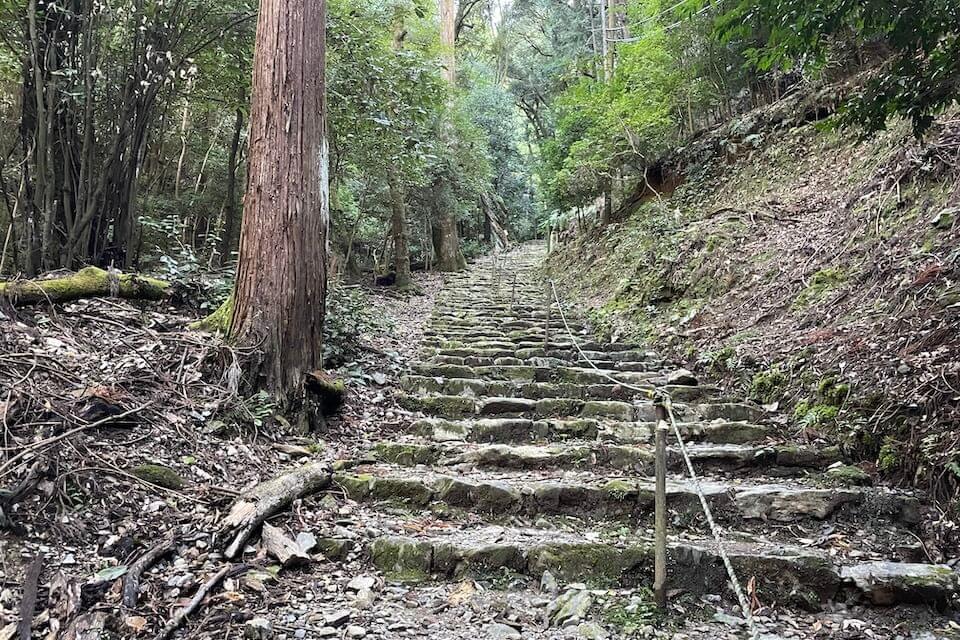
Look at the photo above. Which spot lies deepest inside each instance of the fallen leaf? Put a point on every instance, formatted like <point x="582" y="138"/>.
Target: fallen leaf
<point x="137" y="623"/>
<point x="463" y="593"/>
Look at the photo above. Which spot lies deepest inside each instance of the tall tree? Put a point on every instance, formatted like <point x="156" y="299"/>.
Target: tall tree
<point x="281" y="276"/>
<point x="446" y="238"/>
<point x="398" y="204"/>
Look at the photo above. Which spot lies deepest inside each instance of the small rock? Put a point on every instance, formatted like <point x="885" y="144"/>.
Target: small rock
<point x="364" y="599"/>
<point x="353" y="631"/>
<point x="258" y="629"/>
<point x="300" y="634"/>
<point x="361" y="582"/>
<point x="727" y="619"/>
<point x="500" y="631"/>
<point x="326" y="632"/>
<point x="337" y="618"/>
<point x="571" y="607"/>
<point x="548" y="584"/>
<point x="592" y="631"/>
<point x="306" y="541"/>
<point x="682" y="377"/>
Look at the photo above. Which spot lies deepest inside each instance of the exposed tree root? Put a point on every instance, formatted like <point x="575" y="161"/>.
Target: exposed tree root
<point x="89" y="282"/>
<point x="218" y="321"/>
<point x="267" y="498"/>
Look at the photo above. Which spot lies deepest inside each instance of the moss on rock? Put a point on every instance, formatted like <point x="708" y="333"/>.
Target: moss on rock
<point x="159" y="475"/>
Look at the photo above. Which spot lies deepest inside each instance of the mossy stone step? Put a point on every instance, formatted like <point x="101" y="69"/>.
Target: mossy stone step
<point x="578" y="454"/>
<point x="779" y="573"/>
<point x="586" y="493"/>
<point x="459" y="406"/>
<point x="526" y="430"/>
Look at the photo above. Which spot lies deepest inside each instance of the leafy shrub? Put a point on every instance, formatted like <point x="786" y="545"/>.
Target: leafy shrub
<point x="348" y="317"/>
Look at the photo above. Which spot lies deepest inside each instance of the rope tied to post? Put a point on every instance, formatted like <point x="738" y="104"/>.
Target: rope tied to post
<point x="661" y="399"/>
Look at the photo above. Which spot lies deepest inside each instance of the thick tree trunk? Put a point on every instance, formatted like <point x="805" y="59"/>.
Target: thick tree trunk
<point x="230" y="211"/>
<point x="281" y="276"/>
<point x="401" y="234"/>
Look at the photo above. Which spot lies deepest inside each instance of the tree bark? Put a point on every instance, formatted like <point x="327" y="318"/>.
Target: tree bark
<point x="281" y="276"/>
<point x="448" y="39"/>
<point x="446" y="240"/>
<point x="401" y="233"/>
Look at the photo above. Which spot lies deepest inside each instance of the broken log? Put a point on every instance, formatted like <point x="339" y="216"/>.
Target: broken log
<point x="268" y="498"/>
<point x="131" y="581"/>
<point x="282" y="547"/>
<point x="89" y="282"/>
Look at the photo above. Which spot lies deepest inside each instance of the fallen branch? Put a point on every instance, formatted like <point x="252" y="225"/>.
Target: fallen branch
<point x="195" y="602"/>
<point x="43" y="444"/>
<point x="267" y="498"/>
<point x="29" y="602"/>
<point x="89" y="282"/>
<point x="131" y="581"/>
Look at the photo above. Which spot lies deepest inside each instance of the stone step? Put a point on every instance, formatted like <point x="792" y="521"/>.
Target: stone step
<point x="457" y="406"/>
<point x="474" y="358"/>
<point x="779" y="573"/>
<point x="544" y="371"/>
<point x="526" y="430"/>
<point x="539" y="390"/>
<point x="583" y="493"/>
<point x="591" y="454"/>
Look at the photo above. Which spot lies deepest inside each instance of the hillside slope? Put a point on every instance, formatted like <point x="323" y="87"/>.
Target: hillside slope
<point x="815" y="270"/>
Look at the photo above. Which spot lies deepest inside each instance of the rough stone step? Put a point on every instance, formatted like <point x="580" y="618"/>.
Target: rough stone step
<point x="451" y="406"/>
<point x="525" y="430"/>
<point x="473" y="358"/>
<point x="590" y="454"/>
<point x="779" y="573"/>
<point x="538" y="390"/>
<point x="544" y="373"/>
<point x="583" y="493"/>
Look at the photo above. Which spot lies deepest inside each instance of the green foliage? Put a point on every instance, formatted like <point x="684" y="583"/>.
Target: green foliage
<point x="918" y="79"/>
<point x="768" y="386"/>
<point x="348" y="317"/>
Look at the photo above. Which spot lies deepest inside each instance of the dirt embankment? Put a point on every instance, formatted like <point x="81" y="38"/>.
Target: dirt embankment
<point x="815" y="270"/>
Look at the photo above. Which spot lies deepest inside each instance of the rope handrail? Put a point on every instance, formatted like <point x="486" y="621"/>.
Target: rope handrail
<point x="661" y="395"/>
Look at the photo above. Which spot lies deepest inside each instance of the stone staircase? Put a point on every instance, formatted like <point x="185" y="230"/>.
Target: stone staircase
<point x="529" y="461"/>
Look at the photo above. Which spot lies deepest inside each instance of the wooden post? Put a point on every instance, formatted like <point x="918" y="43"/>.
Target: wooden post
<point x="546" y="333"/>
<point x="660" y="506"/>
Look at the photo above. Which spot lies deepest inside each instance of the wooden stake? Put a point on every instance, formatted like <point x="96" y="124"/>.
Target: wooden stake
<point x="660" y="506"/>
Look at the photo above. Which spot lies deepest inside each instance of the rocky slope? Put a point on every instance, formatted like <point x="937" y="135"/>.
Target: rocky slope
<point x="806" y="268"/>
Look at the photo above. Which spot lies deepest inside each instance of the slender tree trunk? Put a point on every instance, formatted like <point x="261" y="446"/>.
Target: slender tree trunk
<point x="184" y="121"/>
<point x="401" y="234"/>
<point x="446" y="240"/>
<point x="281" y="276"/>
<point x="230" y="211"/>
<point x="448" y="35"/>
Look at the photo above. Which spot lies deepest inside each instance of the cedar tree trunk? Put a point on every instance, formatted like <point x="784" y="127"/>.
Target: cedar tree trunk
<point x="281" y="276"/>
